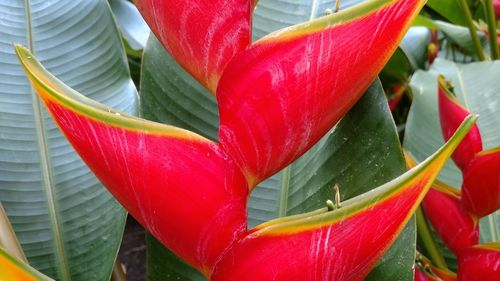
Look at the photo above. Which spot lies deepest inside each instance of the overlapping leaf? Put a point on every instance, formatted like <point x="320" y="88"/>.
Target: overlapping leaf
<point x="68" y="224"/>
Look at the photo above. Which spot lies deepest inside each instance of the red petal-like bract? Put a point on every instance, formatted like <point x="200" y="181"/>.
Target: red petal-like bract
<point x="457" y="227"/>
<point x="183" y="188"/>
<point x="481" y="185"/>
<point x="280" y="96"/>
<point x="343" y="244"/>
<point x="202" y="35"/>
<point x="452" y="113"/>
<point x="480" y="263"/>
<point x="188" y="193"/>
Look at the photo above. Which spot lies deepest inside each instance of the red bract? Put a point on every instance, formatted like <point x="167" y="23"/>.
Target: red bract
<point x="343" y="244"/>
<point x="181" y="186"/>
<point x="279" y="97"/>
<point x="451" y="114"/>
<point x="202" y="35"/>
<point x="481" y="262"/>
<point x="186" y="191"/>
<point x="457" y="227"/>
<point x="481" y="185"/>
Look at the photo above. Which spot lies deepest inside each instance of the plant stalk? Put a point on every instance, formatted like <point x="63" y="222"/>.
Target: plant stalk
<point x="430" y="245"/>
<point x="492" y="29"/>
<point x="472" y="29"/>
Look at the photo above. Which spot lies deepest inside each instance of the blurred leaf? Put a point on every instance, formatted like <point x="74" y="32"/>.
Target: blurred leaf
<point x="415" y="44"/>
<point x="67" y="223"/>
<point x="132" y="26"/>
<point x="449" y="9"/>
<point x="460" y="36"/>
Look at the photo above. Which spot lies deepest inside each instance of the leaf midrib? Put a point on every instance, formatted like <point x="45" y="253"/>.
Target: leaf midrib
<point x="45" y="163"/>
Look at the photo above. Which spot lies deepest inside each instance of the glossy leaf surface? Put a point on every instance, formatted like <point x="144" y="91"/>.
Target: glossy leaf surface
<point x="201" y="35"/>
<point x="118" y="147"/>
<point x="342" y="244"/>
<point x="451" y="114"/>
<point x="12" y="269"/>
<point x="68" y="224"/>
<point x="481" y="262"/>
<point x="280" y="96"/>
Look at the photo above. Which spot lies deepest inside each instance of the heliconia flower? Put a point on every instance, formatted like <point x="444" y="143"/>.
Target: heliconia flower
<point x="12" y="269"/>
<point x="340" y="244"/>
<point x="280" y="96"/>
<point x="481" y="184"/>
<point x="427" y="271"/>
<point x="480" y="263"/>
<point x="202" y="35"/>
<point x="451" y="114"/>
<point x="455" y="225"/>
<point x="188" y="193"/>
<point x="182" y="187"/>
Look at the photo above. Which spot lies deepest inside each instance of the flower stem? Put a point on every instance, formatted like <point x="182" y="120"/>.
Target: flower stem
<point x="430" y="245"/>
<point x="472" y="29"/>
<point x="492" y="29"/>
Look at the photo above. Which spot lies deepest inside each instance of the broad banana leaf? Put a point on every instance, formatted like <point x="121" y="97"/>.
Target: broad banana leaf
<point x="70" y="227"/>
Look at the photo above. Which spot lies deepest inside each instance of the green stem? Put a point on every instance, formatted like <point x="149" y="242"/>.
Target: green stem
<point x="472" y="29"/>
<point x="430" y="245"/>
<point x="492" y="29"/>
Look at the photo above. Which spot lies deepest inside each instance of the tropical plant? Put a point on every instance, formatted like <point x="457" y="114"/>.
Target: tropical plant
<point x="245" y="112"/>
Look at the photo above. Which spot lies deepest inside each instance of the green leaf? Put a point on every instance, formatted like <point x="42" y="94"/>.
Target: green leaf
<point x="460" y="36"/>
<point x="449" y="9"/>
<point x="132" y="26"/>
<point x="70" y="227"/>
<point x="476" y="86"/>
